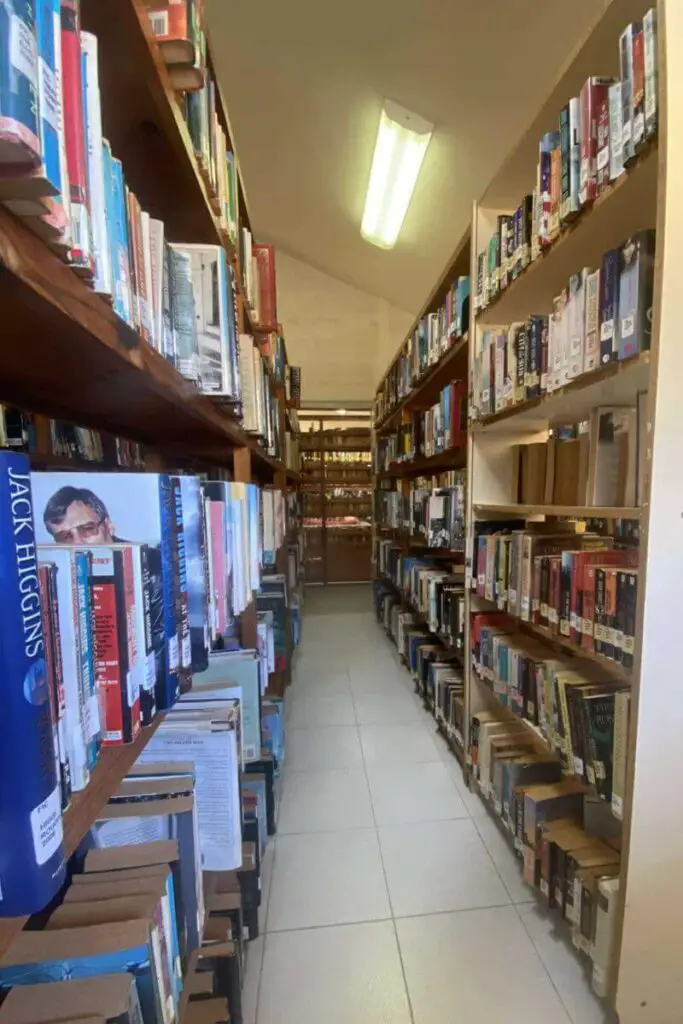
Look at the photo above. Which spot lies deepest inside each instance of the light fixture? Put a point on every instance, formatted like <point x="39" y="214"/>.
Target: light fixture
<point x="402" y="142"/>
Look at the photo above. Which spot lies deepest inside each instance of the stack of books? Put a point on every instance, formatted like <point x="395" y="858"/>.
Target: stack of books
<point x="600" y="133"/>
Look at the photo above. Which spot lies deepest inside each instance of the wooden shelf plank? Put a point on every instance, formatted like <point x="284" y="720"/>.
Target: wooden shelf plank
<point x="614" y="384"/>
<point x="452" y="366"/>
<point x="454" y="458"/>
<point x="577" y="511"/>
<point x="113" y="766"/>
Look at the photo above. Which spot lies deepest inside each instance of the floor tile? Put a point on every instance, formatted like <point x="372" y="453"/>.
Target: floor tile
<point x="476" y="966"/>
<point x="413" y="792"/>
<point x="437" y="866"/>
<point x="396" y="708"/>
<point x="312" y="710"/>
<point x="503" y="856"/>
<point x="327" y="878"/>
<point x="346" y="975"/>
<point x="252" y="977"/>
<point x="266" y="879"/>
<point x="325" y="682"/>
<point x="397" y="744"/>
<point x="325" y="801"/>
<point x="476" y="807"/>
<point x="568" y="975"/>
<point x="334" y="747"/>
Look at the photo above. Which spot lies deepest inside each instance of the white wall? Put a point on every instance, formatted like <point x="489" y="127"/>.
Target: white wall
<point x="342" y="337"/>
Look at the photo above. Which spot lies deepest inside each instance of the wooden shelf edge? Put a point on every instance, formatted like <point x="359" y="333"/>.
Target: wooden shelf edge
<point x="452" y="458"/>
<point x="578" y="511"/>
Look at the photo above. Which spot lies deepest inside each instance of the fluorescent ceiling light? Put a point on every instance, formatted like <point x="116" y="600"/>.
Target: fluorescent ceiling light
<point x="402" y="142"/>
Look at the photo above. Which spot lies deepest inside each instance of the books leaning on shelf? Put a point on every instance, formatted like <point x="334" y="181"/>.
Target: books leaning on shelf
<point x="433" y="508"/>
<point x="600" y="133"/>
<point x="602" y="317"/>
<point x="568" y="846"/>
<point x="40" y="437"/>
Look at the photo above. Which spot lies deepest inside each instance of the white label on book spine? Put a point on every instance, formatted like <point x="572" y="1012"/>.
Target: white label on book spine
<point x="603" y="158"/>
<point x="187" y="652"/>
<point x="46" y="827"/>
<point x="159" y="22"/>
<point x="49" y="97"/>
<point x="638" y="128"/>
<point x="607" y="330"/>
<point x="173" y="654"/>
<point x="23" y="50"/>
<point x="617" y="805"/>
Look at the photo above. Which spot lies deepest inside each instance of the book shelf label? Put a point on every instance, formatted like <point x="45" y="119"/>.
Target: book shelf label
<point x="46" y="827"/>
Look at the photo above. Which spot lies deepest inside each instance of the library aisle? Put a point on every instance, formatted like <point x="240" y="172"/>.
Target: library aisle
<point x="391" y="896"/>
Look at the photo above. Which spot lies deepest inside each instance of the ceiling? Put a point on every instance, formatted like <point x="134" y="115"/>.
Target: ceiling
<point x="304" y="82"/>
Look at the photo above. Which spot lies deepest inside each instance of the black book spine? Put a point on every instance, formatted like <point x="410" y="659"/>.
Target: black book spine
<point x="609" y="306"/>
<point x="599" y="614"/>
<point x="148" y="704"/>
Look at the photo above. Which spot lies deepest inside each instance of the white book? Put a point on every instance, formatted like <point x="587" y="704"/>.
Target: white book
<point x="591" y="354"/>
<point x="246" y="362"/>
<point x="651" y="71"/>
<point x="156" y="279"/>
<point x="76" y="701"/>
<point x="626" y="75"/>
<point x="605" y="954"/>
<point x="102" y="281"/>
<point x="576" y="323"/>
<point x="145" y="229"/>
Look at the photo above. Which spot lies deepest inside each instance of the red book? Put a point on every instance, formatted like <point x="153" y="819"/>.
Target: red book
<point x="638" y="85"/>
<point x="74" y="131"/>
<point x="554" y="589"/>
<point x="458" y="424"/>
<point x="582" y="583"/>
<point x="115" y="653"/>
<point x="602" y="143"/>
<point x="220" y="589"/>
<point x="594" y="93"/>
<point x="265" y="259"/>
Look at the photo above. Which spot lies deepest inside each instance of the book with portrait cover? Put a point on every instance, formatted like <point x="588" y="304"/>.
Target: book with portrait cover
<point x="105" y="508"/>
<point x="31" y="852"/>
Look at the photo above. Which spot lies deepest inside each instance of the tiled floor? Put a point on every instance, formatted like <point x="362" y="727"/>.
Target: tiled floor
<point x="390" y="897"/>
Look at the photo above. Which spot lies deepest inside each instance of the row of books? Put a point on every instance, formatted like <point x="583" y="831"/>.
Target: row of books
<point x="599" y="461"/>
<point x="435" y="592"/>
<point x="568" y="846"/>
<point x="603" y="316"/>
<point x="40" y="436"/>
<point x="601" y="132"/>
<point x="117" y="588"/>
<point x="178" y="26"/>
<point x="435" y="334"/>
<point x="441" y="428"/>
<point x="437" y="673"/>
<point x="577" y="585"/>
<point x="435" y="513"/>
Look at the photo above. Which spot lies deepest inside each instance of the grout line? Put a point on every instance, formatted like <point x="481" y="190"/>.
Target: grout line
<point x="400" y="917"/>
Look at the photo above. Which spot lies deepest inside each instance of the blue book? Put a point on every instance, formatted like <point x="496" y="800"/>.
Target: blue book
<point x="112" y="233"/>
<point x="19" y="129"/>
<point x="120" y="258"/>
<point x="180" y="576"/>
<point x="49" y="99"/>
<point x="106" y="508"/>
<point x="195" y="560"/>
<point x="31" y="853"/>
<point x="73" y="953"/>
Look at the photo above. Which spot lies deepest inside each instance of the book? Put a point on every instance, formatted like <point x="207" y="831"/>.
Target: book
<point x="265" y="258"/>
<point x="651" y="69"/>
<point x="626" y="76"/>
<point x="638" y="87"/>
<point x="212" y="301"/>
<point x="594" y="111"/>
<point x="185" y="341"/>
<point x="33" y="856"/>
<point x="174" y="26"/>
<point x="636" y="283"/>
<point x="105" y="508"/>
<point x="616" y="158"/>
<point x="109" y="997"/>
<point x="609" y="306"/>
<point x="570" y="144"/>
<point x="102" y="281"/>
<point x="80" y="254"/>
<point x="19" y="123"/>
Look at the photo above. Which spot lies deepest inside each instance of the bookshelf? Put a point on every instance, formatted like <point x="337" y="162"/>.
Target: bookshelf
<point x="337" y="496"/>
<point x="642" y="973"/>
<point x="67" y="355"/>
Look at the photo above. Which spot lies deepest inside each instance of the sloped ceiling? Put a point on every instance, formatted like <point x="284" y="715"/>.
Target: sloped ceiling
<point x="304" y="81"/>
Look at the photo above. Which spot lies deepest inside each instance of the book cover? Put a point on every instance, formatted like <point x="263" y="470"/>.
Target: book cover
<point x="80" y="254"/>
<point x="636" y="282"/>
<point x="208" y="267"/>
<point x="32" y="856"/>
<point x="105" y="508"/>
<point x="184" y="315"/>
<point x="19" y="125"/>
<point x="265" y="257"/>
<point x="102" y="281"/>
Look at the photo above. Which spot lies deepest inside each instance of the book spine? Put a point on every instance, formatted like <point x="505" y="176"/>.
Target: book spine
<point x="626" y="76"/>
<point x="169" y="568"/>
<point x="50" y="661"/>
<point x="591" y="355"/>
<point x="80" y="253"/>
<point x="599" y="618"/>
<point x="100" y="241"/>
<point x="651" y="72"/>
<point x="133" y="668"/>
<point x="638" y="86"/>
<point x="565" y="592"/>
<point x="88" y="688"/>
<point x="554" y="218"/>
<point x="565" y="164"/>
<point x="183" y="611"/>
<point x="49" y="99"/>
<point x="609" y="306"/>
<point x="616" y="152"/>
<point x="148" y="692"/>
<point x="30" y="813"/>
<point x="19" y="125"/>
<point x="602" y="128"/>
<point x="630" y="613"/>
<point x="110" y="657"/>
<point x="65" y="770"/>
<point x="619" y="751"/>
<point x="124" y="296"/>
<point x="265" y="256"/>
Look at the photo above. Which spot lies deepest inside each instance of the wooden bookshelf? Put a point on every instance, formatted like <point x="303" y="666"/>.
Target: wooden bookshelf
<point x="570" y="511"/>
<point x="454" y="458"/>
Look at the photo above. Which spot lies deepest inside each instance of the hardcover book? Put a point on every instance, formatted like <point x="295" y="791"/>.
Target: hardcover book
<point x="651" y="72"/>
<point x="80" y="254"/>
<point x="626" y="76"/>
<point x="636" y="281"/>
<point x="609" y="306"/>
<point x="109" y="997"/>
<point x="19" y="127"/>
<point x="31" y="854"/>
<point x="100" y="241"/>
